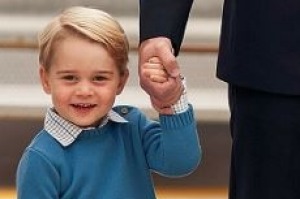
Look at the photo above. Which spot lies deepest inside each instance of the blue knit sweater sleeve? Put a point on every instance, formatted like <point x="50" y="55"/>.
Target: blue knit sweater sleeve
<point x="36" y="177"/>
<point x="171" y="145"/>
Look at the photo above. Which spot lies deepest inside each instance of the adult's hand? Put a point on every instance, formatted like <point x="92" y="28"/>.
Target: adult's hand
<point x="166" y="93"/>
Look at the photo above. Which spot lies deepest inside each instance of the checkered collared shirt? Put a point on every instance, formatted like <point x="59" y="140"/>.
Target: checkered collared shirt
<point x="65" y="132"/>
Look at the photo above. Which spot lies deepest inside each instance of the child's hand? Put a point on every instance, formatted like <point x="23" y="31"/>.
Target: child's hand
<point x="166" y="89"/>
<point x="159" y="78"/>
<point x="155" y="70"/>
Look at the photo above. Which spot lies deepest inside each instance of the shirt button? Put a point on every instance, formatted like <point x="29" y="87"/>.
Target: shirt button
<point x="124" y="110"/>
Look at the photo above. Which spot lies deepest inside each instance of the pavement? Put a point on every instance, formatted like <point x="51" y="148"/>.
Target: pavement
<point x="162" y="193"/>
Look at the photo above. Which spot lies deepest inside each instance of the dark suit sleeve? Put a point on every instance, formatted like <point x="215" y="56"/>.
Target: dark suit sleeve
<point x="166" y="18"/>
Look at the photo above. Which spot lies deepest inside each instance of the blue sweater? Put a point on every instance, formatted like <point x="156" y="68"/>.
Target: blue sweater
<point x="112" y="162"/>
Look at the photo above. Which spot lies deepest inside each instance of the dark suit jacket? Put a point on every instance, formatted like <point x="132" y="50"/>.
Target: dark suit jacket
<point x="259" y="45"/>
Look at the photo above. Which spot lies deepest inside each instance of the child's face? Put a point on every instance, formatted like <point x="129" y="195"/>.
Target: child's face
<point x="83" y="81"/>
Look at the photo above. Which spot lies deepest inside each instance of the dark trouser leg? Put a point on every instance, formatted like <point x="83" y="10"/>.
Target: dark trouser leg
<point x="265" y="130"/>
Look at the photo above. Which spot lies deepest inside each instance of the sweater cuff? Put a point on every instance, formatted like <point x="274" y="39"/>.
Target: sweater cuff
<point x="177" y="121"/>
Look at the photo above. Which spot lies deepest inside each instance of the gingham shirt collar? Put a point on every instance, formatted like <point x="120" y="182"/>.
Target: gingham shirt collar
<point x="65" y="132"/>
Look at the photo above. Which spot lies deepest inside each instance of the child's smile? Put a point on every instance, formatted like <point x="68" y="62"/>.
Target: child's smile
<point x="82" y="106"/>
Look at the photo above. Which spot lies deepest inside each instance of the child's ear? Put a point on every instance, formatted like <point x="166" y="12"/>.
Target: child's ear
<point x="123" y="80"/>
<point x="44" y="79"/>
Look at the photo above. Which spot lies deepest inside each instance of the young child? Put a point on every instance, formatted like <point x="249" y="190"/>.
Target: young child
<point x="88" y="148"/>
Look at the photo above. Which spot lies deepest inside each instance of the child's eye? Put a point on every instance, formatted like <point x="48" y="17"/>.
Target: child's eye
<point x="70" y="78"/>
<point x="99" y="78"/>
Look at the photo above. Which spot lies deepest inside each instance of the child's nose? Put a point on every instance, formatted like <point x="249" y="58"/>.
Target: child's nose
<point x="84" y="89"/>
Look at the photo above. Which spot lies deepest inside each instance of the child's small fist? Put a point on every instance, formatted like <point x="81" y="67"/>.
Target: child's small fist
<point x="155" y="70"/>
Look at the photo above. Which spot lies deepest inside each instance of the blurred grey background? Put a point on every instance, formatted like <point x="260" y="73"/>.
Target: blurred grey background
<point x="201" y="8"/>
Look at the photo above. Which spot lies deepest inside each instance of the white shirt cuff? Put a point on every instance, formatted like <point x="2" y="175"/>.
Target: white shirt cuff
<point x="182" y="104"/>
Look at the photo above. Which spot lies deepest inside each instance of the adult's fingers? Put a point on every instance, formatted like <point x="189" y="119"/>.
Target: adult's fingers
<point x="160" y="47"/>
<point x="166" y="56"/>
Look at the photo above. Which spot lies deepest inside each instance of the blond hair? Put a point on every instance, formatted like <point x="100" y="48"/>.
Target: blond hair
<point x="92" y="24"/>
